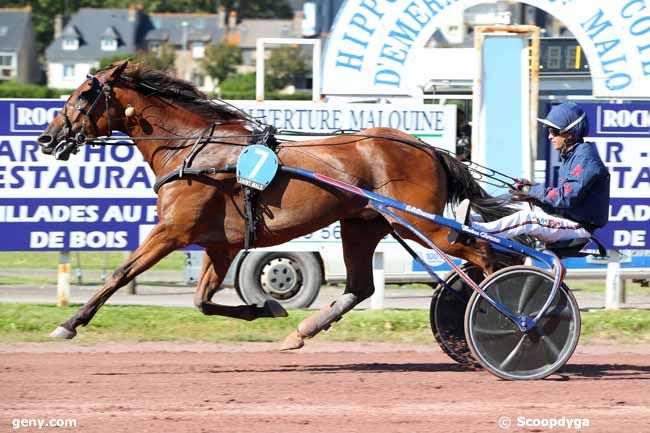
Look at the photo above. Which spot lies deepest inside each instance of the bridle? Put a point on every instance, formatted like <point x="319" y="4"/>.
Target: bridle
<point x="72" y="141"/>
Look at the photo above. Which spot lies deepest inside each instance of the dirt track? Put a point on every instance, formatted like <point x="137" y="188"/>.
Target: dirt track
<point x="378" y="388"/>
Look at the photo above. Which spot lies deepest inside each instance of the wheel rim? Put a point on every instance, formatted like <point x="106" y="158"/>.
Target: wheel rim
<point x="281" y="278"/>
<point x="448" y="314"/>
<point x="506" y="351"/>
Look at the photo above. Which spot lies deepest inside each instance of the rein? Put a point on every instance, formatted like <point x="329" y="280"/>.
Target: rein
<point x="480" y="172"/>
<point x="262" y="132"/>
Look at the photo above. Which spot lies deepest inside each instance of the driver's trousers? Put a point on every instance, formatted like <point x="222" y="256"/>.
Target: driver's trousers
<point x="536" y="223"/>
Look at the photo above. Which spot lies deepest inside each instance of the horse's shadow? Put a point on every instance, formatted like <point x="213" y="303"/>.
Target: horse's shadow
<point x="568" y="372"/>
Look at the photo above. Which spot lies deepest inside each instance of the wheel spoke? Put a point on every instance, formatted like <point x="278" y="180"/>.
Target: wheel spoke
<point x="514" y="354"/>
<point x="495" y="332"/>
<point x="550" y="345"/>
<point x="527" y="293"/>
<point x="559" y="312"/>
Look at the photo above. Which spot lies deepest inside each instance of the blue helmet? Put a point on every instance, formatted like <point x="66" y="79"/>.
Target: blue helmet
<point x="568" y="117"/>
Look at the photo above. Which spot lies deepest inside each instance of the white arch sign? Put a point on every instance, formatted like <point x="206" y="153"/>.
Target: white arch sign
<point x="372" y="42"/>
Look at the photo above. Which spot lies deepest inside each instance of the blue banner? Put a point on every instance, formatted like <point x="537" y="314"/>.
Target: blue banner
<point x="27" y="117"/>
<point x="102" y="199"/>
<point x="622" y="134"/>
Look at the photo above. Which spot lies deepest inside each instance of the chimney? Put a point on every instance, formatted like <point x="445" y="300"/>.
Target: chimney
<point x="298" y="18"/>
<point x="221" y="17"/>
<point x="58" y="25"/>
<point x="133" y="12"/>
<point x="232" y="20"/>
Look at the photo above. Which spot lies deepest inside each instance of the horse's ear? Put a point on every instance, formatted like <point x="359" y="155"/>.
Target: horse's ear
<point x="119" y="69"/>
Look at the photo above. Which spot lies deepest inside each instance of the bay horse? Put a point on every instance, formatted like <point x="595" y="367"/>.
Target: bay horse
<point x="160" y="113"/>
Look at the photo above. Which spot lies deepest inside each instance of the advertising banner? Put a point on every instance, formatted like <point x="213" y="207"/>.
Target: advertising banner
<point x="373" y="45"/>
<point x="102" y="198"/>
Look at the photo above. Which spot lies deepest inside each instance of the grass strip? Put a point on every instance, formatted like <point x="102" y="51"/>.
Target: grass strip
<point x="32" y="323"/>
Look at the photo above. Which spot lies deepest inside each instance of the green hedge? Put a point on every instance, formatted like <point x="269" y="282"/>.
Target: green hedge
<point x="12" y="89"/>
<point x="242" y="86"/>
<point x="249" y="95"/>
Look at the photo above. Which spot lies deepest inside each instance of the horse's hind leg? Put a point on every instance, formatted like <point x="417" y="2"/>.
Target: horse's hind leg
<point x="214" y="268"/>
<point x="157" y="245"/>
<point x="360" y="238"/>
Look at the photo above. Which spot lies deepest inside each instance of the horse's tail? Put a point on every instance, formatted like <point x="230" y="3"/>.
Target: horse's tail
<point x="462" y="185"/>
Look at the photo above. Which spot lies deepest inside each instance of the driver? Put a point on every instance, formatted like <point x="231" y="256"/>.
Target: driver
<point x="573" y="209"/>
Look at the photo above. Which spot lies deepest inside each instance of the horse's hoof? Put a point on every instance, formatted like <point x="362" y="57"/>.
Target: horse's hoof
<point x="293" y="341"/>
<point x="274" y="308"/>
<point x="63" y="333"/>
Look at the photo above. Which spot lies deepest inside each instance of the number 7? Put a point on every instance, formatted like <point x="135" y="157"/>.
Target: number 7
<point x="263" y="157"/>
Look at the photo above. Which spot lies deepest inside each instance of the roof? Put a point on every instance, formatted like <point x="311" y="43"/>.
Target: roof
<point x="12" y="28"/>
<point x="110" y="33"/>
<point x="174" y="28"/>
<point x="70" y="31"/>
<point x="92" y="25"/>
<point x="252" y="29"/>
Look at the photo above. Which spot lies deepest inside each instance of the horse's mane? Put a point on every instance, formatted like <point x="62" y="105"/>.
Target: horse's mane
<point x="152" y="82"/>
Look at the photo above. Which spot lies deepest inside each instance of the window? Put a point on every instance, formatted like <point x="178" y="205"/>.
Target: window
<point x="154" y="46"/>
<point x="109" y="44"/>
<point x="68" y="70"/>
<point x="6" y="60"/>
<point x="198" y="50"/>
<point x="70" y="44"/>
<point x="197" y="79"/>
<point x="7" y="66"/>
<point x="4" y="30"/>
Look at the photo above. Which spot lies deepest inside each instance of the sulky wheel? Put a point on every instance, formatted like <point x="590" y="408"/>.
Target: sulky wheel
<point x="499" y="345"/>
<point x="447" y="315"/>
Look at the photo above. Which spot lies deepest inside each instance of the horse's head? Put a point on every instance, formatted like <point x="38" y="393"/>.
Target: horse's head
<point x="86" y="114"/>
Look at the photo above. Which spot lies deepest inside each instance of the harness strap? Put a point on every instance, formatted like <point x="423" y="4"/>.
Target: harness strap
<point x="195" y="149"/>
<point x="193" y="172"/>
<point x="250" y="216"/>
<point x="251" y="195"/>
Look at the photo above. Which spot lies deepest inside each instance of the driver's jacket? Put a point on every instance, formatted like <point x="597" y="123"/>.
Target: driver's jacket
<point x="583" y="191"/>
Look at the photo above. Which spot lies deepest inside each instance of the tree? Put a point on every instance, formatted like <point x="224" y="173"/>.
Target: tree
<point x="163" y="59"/>
<point x="260" y="8"/>
<point x="285" y="66"/>
<point x="109" y="60"/>
<point x="220" y="60"/>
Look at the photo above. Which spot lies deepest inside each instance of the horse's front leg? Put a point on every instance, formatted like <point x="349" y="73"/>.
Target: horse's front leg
<point x="214" y="269"/>
<point x="157" y="245"/>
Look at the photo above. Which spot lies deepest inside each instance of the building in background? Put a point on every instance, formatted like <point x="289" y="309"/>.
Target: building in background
<point x="90" y="35"/>
<point x="18" y="53"/>
<point x="93" y="34"/>
<point x="252" y="29"/>
<point x="188" y="35"/>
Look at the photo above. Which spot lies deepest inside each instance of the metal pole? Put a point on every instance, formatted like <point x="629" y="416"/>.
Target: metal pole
<point x="63" y="280"/>
<point x="614" y="283"/>
<point x="315" y="71"/>
<point x="259" y="73"/>
<point x="377" y="298"/>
